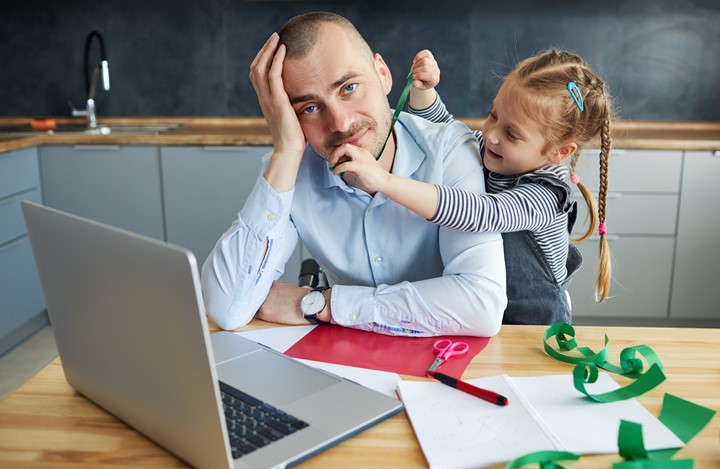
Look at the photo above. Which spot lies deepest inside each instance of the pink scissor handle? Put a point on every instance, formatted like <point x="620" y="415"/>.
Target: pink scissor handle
<point x="446" y="348"/>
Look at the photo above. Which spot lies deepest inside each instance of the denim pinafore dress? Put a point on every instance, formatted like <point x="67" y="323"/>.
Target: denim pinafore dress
<point x="534" y="294"/>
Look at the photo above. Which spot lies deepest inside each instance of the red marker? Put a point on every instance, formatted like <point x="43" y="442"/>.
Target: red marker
<point x="483" y="394"/>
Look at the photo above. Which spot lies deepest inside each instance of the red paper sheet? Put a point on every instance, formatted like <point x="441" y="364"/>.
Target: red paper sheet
<point x="398" y="354"/>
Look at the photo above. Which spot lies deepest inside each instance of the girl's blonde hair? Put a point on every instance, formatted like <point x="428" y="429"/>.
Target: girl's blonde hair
<point x="549" y="102"/>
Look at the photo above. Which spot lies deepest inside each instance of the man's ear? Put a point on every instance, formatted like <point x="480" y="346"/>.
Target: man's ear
<point x="563" y="152"/>
<point x="383" y="73"/>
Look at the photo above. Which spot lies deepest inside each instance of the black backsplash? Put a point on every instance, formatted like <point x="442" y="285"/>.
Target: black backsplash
<point x="192" y="57"/>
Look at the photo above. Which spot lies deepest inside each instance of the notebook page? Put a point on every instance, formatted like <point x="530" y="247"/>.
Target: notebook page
<point x="584" y="426"/>
<point x="457" y="430"/>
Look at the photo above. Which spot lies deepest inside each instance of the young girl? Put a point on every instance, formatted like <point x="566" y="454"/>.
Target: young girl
<point x="546" y="109"/>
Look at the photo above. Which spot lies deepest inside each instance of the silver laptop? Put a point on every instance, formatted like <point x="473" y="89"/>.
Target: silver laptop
<point x="130" y="326"/>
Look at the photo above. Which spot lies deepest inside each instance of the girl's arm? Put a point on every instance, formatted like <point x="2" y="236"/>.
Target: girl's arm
<point x="426" y="76"/>
<point x="361" y="170"/>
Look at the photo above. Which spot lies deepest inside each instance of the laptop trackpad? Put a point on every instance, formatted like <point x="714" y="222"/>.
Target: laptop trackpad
<point x="272" y="377"/>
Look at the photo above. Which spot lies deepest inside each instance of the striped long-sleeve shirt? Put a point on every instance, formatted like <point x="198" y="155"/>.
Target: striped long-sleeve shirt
<point x="536" y="202"/>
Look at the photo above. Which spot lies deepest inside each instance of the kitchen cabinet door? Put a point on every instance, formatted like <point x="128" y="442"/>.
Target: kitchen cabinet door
<point x="641" y="221"/>
<point x="22" y="304"/>
<point x="697" y="263"/>
<point x="117" y="185"/>
<point x="204" y="188"/>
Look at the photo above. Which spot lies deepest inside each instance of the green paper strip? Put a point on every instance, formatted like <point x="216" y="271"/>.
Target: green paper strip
<point x="400" y="106"/>
<point x="560" y="332"/>
<point x="588" y="373"/>
<point x="546" y="459"/>
<point x="656" y="464"/>
<point x="631" y="445"/>
<point x="631" y="366"/>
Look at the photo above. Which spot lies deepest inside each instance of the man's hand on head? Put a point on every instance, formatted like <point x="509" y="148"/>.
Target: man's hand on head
<point x="287" y="135"/>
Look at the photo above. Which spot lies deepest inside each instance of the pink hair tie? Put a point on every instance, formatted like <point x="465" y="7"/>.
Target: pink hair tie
<point x="602" y="229"/>
<point x="575" y="179"/>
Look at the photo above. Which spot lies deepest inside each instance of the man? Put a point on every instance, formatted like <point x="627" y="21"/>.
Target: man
<point x="322" y="91"/>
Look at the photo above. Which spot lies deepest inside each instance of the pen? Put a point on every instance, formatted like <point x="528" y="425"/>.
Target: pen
<point x="483" y="394"/>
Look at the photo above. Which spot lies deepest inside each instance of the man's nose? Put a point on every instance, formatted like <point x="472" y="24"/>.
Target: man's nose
<point x="339" y="118"/>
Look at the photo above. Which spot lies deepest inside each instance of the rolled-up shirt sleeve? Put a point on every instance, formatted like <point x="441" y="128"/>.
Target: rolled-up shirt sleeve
<point x="248" y="257"/>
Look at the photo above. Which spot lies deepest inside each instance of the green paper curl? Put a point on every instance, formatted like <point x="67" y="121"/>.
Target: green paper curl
<point x="587" y="373"/>
<point x="546" y="459"/>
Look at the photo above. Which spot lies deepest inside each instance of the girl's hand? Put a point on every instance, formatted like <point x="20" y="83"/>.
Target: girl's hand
<point x="426" y="72"/>
<point x="426" y="75"/>
<point x="360" y="168"/>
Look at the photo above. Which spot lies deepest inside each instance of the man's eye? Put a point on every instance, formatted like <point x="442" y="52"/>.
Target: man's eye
<point x="351" y="87"/>
<point x="492" y="115"/>
<point x="309" y="110"/>
<point x="511" y="136"/>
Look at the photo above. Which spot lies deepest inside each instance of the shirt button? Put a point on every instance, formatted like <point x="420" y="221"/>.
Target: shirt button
<point x="352" y="316"/>
<point x="377" y="259"/>
<point x="271" y="216"/>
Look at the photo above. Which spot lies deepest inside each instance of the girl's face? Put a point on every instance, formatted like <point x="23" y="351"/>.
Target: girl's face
<point x="514" y="142"/>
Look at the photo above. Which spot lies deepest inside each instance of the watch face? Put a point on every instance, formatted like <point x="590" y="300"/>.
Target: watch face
<point x="312" y="303"/>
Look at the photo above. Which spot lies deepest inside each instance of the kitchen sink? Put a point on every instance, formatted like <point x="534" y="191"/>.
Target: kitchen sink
<point x="107" y="129"/>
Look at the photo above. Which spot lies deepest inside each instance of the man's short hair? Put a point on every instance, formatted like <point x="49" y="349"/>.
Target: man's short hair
<point x="300" y="33"/>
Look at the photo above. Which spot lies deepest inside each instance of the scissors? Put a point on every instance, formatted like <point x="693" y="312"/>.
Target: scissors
<point x="444" y="349"/>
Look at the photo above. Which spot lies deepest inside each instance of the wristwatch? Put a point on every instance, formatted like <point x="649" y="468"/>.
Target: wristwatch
<point x="312" y="304"/>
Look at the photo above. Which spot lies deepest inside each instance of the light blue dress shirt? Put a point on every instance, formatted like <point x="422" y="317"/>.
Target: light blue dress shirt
<point x="391" y="270"/>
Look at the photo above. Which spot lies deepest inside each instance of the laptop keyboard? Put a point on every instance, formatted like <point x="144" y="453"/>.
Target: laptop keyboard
<point x="252" y="423"/>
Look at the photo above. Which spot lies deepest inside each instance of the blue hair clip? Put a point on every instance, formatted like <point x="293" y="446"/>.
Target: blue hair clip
<point x="576" y="96"/>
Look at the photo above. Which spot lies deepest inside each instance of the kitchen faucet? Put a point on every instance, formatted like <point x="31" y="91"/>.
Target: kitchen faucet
<point x="91" y="80"/>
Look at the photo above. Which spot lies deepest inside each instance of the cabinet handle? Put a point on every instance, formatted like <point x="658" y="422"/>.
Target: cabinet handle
<point x="238" y="148"/>
<point x="11" y="243"/>
<point x="96" y="147"/>
<point x="610" y="238"/>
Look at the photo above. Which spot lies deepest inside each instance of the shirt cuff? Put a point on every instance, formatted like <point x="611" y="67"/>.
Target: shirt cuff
<point x="267" y="212"/>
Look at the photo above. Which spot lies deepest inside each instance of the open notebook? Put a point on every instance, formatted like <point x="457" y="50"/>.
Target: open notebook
<point x="457" y="430"/>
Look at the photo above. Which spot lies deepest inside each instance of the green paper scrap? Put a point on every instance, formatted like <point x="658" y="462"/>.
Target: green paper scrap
<point x="631" y="445"/>
<point x="684" y="418"/>
<point x="656" y="464"/>
<point x="546" y="459"/>
<point x="587" y="373"/>
<point x="630" y="365"/>
<point x="561" y="330"/>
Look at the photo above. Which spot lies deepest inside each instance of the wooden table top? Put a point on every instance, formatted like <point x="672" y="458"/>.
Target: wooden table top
<point x="45" y="423"/>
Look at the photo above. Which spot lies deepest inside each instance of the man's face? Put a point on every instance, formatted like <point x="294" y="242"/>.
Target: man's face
<point x="339" y="94"/>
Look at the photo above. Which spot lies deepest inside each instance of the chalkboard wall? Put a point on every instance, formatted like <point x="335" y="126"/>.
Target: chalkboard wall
<point x="191" y="57"/>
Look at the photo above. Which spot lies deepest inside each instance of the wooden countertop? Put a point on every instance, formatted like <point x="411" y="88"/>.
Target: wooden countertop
<point x="650" y="135"/>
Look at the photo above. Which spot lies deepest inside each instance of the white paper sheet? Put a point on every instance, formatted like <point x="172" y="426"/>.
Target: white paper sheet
<point x="457" y="430"/>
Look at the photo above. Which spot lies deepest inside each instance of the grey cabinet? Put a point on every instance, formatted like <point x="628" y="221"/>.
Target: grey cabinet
<point x="22" y="305"/>
<point x="642" y="211"/>
<point x="117" y="185"/>
<point x="204" y="188"/>
<point x="697" y="263"/>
